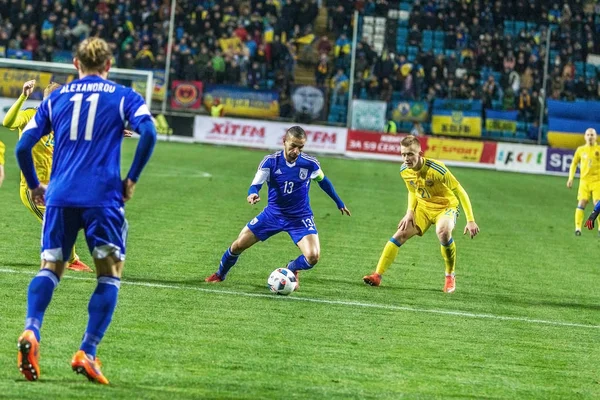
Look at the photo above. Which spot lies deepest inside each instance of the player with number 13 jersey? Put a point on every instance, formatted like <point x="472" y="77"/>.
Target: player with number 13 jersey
<point x="288" y="174"/>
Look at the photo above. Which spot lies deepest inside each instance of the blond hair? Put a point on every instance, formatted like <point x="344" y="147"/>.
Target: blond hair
<point x="50" y="88"/>
<point x="410" y="140"/>
<point x="93" y="53"/>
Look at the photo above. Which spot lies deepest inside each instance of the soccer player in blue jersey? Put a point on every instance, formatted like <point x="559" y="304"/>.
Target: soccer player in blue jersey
<point x="288" y="174"/>
<point x="85" y="192"/>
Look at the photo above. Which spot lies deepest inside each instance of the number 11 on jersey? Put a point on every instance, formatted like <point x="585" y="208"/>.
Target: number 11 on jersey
<point x="91" y="117"/>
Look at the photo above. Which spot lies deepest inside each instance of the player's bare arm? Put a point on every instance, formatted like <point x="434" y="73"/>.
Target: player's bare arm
<point x="28" y="88"/>
<point x="472" y="229"/>
<point x="408" y="221"/>
<point x="253" y="198"/>
<point x="39" y="194"/>
<point x="128" y="189"/>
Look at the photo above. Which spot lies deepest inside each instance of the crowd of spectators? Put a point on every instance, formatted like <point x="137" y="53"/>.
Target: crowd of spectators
<point x="227" y="41"/>
<point x="491" y="50"/>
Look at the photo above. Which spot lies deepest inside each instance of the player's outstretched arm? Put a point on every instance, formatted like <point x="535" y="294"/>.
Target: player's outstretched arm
<point x="144" y="149"/>
<point x="592" y="218"/>
<point x="14" y="118"/>
<point x="408" y="220"/>
<point x="327" y="186"/>
<point x="36" y="128"/>
<point x="573" y="168"/>
<point x="465" y="201"/>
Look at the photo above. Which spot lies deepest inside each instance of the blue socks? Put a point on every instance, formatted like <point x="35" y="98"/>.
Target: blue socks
<point x="299" y="264"/>
<point x="101" y="308"/>
<point x="39" y="295"/>
<point x="227" y="262"/>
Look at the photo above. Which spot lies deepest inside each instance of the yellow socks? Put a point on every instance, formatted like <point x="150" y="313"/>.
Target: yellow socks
<point x="579" y="216"/>
<point x="449" y="255"/>
<point x="390" y="251"/>
<point x="74" y="256"/>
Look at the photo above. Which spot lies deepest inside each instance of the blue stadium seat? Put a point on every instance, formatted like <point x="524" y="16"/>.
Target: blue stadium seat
<point x="428" y="34"/>
<point x="401" y="48"/>
<point x="405" y="6"/>
<point x="520" y="25"/>
<point x="427" y="45"/>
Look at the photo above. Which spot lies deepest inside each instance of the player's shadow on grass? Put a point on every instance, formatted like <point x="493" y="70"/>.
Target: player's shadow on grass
<point x="187" y="282"/>
<point x="28" y="265"/>
<point x="358" y="281"/>
<point x="550" y="303"/>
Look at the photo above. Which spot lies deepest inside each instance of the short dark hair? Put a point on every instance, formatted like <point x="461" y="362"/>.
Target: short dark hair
<point x="297" y="132"/>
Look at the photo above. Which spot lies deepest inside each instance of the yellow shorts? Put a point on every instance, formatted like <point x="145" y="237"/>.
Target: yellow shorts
<point x="425" y="217"/>
<point x="36" y="210"/>
<point x="588" y="190"/>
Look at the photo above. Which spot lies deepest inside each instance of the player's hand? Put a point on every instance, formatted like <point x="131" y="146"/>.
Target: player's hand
<point x="591" y="219"/>
<point x="344" y="210"/>
<point x="39" y="194"/>
<point x="128" y="189"/>
<point x="253" y="198"/>
<point x="570" y="183"/>
<point x="127" y="133"/>
<point x="28" y="88"/>
<point x="472" y="228"/>
<point x="407" y="222"/>
<point x="1" y="174"/>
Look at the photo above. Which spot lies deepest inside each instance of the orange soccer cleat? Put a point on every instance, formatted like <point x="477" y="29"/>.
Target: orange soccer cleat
<point x="28" y="356"/>
<point x="374" y="279"/>
<point x="84" y="364"/>
<point x="77" y="265"/>
<point x="450" y="284"/>
<point x="214" y="278"/>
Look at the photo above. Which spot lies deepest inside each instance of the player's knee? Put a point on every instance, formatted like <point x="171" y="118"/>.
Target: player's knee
<point x="238" y="246"/>
<point x="402" y="236"/>
<point x="444" y="234"/>
<point x="313" y="258"/>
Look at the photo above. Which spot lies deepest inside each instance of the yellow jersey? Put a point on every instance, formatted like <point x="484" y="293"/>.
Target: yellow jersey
<point x="2" y="149"/>
<point x="432" y="185"/>
<point x="42" y="151"/>
<point x="588" y="159"/>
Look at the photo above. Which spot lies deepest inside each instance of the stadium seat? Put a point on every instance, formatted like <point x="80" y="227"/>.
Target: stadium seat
<point x="405" y="6"/>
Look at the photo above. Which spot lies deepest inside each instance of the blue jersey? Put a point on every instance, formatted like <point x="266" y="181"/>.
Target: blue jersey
<point x="88" y="117"/>
<point x="288" y="183"/>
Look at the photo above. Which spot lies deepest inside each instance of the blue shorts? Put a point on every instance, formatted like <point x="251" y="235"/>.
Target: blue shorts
<point x="105" y="231"/>
<point x="266" y="224"/>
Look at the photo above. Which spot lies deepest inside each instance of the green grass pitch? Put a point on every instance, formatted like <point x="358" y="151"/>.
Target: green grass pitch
<point x="524" y="321"/>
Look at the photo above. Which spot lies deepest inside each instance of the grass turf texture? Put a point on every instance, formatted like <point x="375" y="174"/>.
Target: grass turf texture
<point x="172" y="338"/>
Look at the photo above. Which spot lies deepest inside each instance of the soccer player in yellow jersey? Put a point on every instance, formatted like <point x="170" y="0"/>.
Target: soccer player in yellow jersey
<point x="42" y="157"/>
<point x="588" y="159"/>
<point x="2" y="148"/>
<point x="433" y="199"/>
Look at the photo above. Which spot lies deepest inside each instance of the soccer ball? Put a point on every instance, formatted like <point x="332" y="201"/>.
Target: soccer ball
<point x="282" y="281"/>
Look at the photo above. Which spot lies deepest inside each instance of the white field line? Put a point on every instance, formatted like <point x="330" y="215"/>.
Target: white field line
<point x="332" y="302"/>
